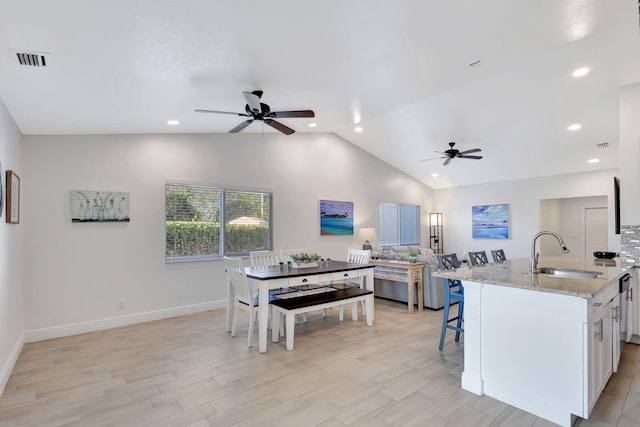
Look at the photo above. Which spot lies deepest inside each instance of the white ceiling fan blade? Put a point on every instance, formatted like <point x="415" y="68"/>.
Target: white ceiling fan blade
<point x="197" y="110"/>
<point x="252" y="101"/>
<point x="432" y="158"/>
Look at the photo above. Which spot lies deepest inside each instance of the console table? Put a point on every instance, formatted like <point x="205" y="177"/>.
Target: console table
<point x="404" y="272"/>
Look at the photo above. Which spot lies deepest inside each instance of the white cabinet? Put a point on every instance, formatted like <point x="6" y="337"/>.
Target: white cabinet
<point x="616" y="310"/>
<point x="603" y="353"/>
<point x="631" y="308"/>
<point x="634" y="302"/>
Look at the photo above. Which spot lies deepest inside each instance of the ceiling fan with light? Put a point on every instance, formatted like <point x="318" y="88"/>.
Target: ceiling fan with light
<point x="256" y="110"/>
<point x="453" y="153"/>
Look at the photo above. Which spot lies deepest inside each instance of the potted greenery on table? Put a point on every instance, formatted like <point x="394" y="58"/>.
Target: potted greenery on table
<point x="304" y="260"/>
<point x="413" y="256"/>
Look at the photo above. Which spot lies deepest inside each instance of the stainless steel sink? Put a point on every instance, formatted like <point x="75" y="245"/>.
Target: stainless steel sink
<point x="573" y="274"/>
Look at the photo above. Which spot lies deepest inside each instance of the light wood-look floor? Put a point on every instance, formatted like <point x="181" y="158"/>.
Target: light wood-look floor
<point x="188" y="371"/>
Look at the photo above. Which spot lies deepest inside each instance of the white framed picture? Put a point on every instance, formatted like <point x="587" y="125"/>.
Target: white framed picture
<point x="99" y="206"/>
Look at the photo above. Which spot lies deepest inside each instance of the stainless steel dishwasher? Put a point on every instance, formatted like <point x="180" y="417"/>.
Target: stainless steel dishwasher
<point x="626" y="297"/>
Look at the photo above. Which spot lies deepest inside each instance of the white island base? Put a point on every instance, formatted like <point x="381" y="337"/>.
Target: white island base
<point x="545" y="353"/>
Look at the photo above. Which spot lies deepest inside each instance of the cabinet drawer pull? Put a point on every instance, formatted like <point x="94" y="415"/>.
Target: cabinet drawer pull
<point x="630" y="294"/>
<point x="597" y="304"/>
<point x="346" y="274"/>
<point x="597" y="330"/>
<point x="601" y="329"/>
<point x="304" y="280"/>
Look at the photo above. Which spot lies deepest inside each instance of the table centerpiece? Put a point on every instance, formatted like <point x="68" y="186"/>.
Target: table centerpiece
<point x="305" y="260"/>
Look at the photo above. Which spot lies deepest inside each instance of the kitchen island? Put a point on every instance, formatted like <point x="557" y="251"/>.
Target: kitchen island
<point x="544" y="344"/>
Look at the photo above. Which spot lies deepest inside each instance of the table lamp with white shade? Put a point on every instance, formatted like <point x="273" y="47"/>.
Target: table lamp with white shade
<point x="368" y="234"/>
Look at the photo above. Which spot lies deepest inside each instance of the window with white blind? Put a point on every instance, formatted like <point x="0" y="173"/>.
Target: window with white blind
<point x="204" y="222"/>
<point x="399" y="224"/>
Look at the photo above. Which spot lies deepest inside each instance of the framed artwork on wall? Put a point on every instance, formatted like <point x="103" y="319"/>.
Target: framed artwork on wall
<point x="336" y="218"/>
<point x="99" y="206"/>
<point x="490" y="221"/>
<point x="1" y="191"/>
<point x="13" y="197"/>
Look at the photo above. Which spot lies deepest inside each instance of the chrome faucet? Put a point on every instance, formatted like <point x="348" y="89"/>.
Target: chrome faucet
<point x="533" y="261"/>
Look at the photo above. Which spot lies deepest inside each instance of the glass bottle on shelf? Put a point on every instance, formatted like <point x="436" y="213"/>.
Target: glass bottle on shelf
<point x="111" y="212"/>
<point x="95" y="210"/>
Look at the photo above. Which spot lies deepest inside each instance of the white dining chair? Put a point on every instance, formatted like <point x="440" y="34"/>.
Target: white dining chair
<point x="356" y="256"/>
<point x="264" y="258"/>
<point x="245" y="298"/>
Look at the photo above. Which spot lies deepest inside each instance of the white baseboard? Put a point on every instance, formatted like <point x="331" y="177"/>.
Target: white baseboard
<point x="7" y="368"/>
<point x="114" y="322"/>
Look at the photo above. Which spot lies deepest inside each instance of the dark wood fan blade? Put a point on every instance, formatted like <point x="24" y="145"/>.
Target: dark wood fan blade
<point x="469" y="157"/>
<point x="446" y="162"/>
<point x="279" y="126"/>
<point x="474" y="150"/>
<point x="253" y="101"/>
<point x="220" y="112"/>
<point x="241" y="126"/>
<point x="297" y="113"/>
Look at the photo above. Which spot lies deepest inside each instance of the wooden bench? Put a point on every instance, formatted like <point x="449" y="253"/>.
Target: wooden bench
<point x="289" y="306"/>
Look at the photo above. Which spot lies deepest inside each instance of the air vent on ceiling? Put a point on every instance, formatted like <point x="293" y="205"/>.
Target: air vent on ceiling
<point x="477" y="63"/>
<point x="31" y="59"/>
<point x="602" y="145"/>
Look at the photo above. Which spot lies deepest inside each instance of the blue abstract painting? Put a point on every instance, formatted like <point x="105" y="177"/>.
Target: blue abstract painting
<point x="490" y="222"/>
<point x="336" y="218"/>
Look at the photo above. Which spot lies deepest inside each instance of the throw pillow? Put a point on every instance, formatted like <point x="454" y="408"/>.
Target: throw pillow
<point x="428" y="253"/>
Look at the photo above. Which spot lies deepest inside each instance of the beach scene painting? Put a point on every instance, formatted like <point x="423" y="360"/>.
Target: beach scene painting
<point x="336" y="218"/>
<point x="490" y="221"/>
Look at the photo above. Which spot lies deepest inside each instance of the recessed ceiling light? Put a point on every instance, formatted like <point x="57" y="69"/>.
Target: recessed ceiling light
<point x="173" y="122"/>
<point x="593" y="160"/>
<point x="582" y="71"/>
<point x="575" y="126"/>
<point x="358" y="129"/>
<point x="435" y="175"/>
<point x="312" y="125"/>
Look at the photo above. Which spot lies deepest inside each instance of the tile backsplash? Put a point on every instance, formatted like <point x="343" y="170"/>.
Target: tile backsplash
<point x="630" y="245"/>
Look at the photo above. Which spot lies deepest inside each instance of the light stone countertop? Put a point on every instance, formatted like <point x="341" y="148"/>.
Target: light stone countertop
<point x="515" y="273"/>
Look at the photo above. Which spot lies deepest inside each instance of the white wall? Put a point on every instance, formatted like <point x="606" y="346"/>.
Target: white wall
<point x="567" y="218"/>
<point x="11" y="266"/>
<point x="523" y="197"/>
<point x="630" y="155"/>
<point x="77" y="272"/>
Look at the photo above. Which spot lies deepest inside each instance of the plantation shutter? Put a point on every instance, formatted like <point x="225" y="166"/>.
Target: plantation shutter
<point x="388" y="224"/>
<point x="399" y="224"/>
<point x="409" y="224"/>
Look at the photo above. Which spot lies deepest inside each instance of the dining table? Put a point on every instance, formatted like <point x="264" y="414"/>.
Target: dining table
<point x="276" y="277"/>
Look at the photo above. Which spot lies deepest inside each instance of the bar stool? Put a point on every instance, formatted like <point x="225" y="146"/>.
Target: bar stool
<point x="479" y="257"/>
<point x="498" y="255"/>
<point x="453" y="291"/>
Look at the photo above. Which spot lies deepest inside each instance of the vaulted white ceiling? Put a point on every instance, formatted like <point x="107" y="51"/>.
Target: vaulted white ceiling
<point x="399" y="69"/>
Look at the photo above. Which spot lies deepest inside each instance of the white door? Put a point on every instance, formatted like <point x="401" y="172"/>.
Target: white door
<point x="595" y="235"/>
